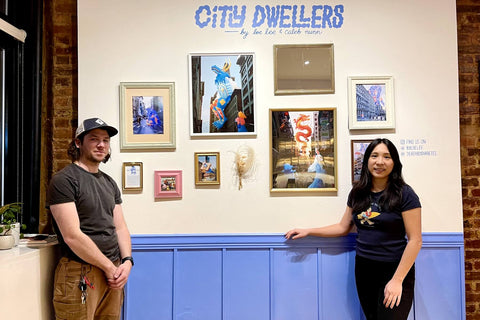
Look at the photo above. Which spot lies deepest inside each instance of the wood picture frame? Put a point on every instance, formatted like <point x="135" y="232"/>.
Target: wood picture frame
<point x="358" y="148"/>
<point x="168" y="184"/>
<point x="132" y="176"/>
<point x="147" y="116"/>
<point x="207" y="168"/>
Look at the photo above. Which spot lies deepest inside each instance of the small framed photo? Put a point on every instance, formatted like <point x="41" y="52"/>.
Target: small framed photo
<point x="304" y="69"/>
<point x="222" y="94"/>
<point x="132" y="176"/>
<point x="371" y="103"/>
<point x="168" y="184"/>
<point x="303" y="150"/>
<point x="147" y="116"/>
<point x="207" y="168"/>
<point x="358" y="148"/>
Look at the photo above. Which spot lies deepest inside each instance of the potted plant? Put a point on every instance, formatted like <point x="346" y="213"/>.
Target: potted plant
<point x="9" y="225"/>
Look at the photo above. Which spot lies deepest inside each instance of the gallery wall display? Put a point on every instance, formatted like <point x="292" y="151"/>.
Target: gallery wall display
<point x="304" y="69"/>
<point x="168" y="184"/>
<point x="132" y="176"/>
<point x="303" y="148"/>
<point x="222" y="94"/>
<point x="371" y="102"/>
<point x="207" y="168"/>
<point x="147" y="116"/>
<point x="358" y="148"/>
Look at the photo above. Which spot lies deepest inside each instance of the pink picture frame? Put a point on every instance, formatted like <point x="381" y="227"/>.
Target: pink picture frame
<point x="168" y="184"/>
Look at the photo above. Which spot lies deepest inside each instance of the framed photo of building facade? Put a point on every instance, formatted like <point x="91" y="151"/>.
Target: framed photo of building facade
<point x="303" y="150"/>
<point x="371" y="102"/>
<point x="207" y="168"/>
<point x="358" y="148"/>
<point x="303" y="69"/>
<point x="147" y="116"/>
<point x="168" y="184"/>
<point x="222" y="94"/>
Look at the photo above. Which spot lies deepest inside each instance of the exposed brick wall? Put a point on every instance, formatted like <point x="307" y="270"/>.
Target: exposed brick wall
<point x="60" y="96"/>
<point x="468" y="26"/>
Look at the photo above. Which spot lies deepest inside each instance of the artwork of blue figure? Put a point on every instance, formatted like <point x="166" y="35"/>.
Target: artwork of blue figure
<point x="288" y="168"/>
<point x="317" y="167"/>
<point x="154" y="121"/>
<point x="147" y="116"/>
<point x="224" y="93"/>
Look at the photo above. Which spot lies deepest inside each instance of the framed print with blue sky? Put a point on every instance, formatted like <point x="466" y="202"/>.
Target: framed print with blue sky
<point x="371" y="102"/>
<point x="222" y="94"/>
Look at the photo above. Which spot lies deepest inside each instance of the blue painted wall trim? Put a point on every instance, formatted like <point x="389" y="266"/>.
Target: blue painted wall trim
<point x="263" y="276"/>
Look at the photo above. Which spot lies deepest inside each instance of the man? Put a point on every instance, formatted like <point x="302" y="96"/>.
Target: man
<point x="94" y="238"/>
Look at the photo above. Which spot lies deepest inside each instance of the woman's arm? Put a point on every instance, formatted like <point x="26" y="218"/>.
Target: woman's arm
<point x="341" y="228"/>
<point x="413" y="227"/>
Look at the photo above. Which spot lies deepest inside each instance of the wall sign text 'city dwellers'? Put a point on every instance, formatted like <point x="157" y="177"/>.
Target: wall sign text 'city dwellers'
<point x="278" y="16"/>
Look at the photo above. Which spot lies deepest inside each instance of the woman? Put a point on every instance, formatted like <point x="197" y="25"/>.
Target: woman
<point x="383" y="209"/>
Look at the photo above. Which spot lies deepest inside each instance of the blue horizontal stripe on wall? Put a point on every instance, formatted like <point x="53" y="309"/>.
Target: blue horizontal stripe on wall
<point x="265" y="277"/>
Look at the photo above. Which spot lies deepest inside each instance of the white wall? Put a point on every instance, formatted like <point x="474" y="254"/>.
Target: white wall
<point x="149" y="41"/>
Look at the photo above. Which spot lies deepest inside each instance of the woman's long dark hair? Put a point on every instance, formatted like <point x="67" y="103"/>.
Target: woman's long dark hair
<point x="392" y="195"/>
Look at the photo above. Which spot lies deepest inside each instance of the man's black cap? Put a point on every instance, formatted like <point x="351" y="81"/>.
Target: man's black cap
<point x="94" y="123"/>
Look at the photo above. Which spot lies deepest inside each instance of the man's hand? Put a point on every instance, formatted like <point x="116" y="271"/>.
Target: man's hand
<point x="120" y="276"/>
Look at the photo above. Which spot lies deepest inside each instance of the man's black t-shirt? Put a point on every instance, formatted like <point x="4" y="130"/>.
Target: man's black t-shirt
<point x="95" y="196"/>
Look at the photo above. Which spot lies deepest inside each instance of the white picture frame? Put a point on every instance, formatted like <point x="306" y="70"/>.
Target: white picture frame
<point x="371" y="102"/>
<point x="216" y="111"/>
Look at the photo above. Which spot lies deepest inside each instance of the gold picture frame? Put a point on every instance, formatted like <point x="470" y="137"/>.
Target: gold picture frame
<point x="303" y="150"/>
<point x="207" y="168"/>
<point x="132" y="176"/>
<point x="147" y="116"/>
<point x="304" y="69"/>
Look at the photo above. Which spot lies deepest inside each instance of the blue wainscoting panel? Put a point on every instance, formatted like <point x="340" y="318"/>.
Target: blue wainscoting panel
<point x="246" y="284"/>
<point x="338" y="284"/>
<point x="198" y="284"/>
<point x="265" y="277"/>
<point x="294" y="284"/>
<point x="439" y="271"/>
<point x="149" y="291"/>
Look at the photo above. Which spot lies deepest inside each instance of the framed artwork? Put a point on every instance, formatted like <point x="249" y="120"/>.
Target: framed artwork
<point x="147" y="116"/>
<point x="207" y="168"/>
<point x="222" y="94"/>
<point x="358" y="148"/>
<point x="168" y="184"/>
<point x="132" y="176"/>
<point x="303" y="69"/>
<point x="303" y="150"/>
<point x="371" y="103"/>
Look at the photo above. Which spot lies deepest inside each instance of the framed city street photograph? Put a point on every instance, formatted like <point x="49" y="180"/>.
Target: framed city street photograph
<point x="371" y="103"/>
<point x="168" y="184"/>
<point x="132" y="176"/>
<point x="207" y="168"/>
<point x="358" y="148"/>
<point x="303" y="150"/>
<point x="222" y="94"/>
<point x="147" y="116"/>
<point x="303" y="69"/>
